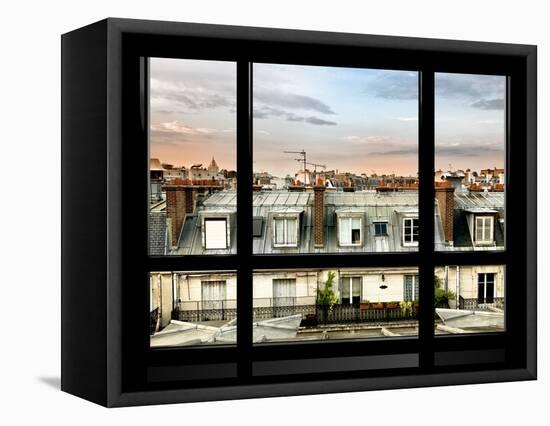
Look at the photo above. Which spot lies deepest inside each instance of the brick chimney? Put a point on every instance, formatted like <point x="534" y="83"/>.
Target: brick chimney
<point x="180" y="200"/>
<point x="318" y="215"/>
<point x="445" y="197"/>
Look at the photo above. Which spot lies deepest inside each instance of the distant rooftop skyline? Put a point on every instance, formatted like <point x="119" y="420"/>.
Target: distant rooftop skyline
<point x="353" y="120"/>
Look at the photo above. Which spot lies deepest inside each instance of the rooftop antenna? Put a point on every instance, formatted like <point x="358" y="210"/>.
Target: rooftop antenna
<point x="302" y="159"/>
<point x="315" y="165"/>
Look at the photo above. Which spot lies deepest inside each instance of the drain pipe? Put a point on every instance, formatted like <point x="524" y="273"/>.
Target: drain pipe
<point x="457" y="292"/>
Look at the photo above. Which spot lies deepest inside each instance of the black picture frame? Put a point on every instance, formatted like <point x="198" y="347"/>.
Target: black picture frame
<point x="105" y="262"/>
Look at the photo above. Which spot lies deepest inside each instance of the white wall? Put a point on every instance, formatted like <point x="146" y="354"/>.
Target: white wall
<point x="468" y="276"/>
<point x="189" y="288"/>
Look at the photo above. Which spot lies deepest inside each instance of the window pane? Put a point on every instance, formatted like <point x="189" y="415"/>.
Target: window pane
<point x="470" y="176"/>
<point x="469" y="299"/>
<point x="332" y="141"/>
<point x="325" y="304"/>
<point x="192" y="161"/>
<point x="279" y="231"/>
<point x="193" y="308"/>
<point x="215" y="234"/>
<point x="291" y="231"/>
<point x="345" y="231"/>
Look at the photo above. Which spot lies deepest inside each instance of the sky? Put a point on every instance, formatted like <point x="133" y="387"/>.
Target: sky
<point x="469" y="121"/>
<point x="350" y="119"/>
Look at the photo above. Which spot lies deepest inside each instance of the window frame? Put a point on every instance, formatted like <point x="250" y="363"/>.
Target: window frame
<point x="414" y="284"/>
<point x="404" y="241"/>
<point x="350" y="217"/>
<point x="426" y="57"/>
<point x="380" y="222"/>
<point x="491" y="239"/>
<point x="215" y="219"/>
<point x="285" y="218"/>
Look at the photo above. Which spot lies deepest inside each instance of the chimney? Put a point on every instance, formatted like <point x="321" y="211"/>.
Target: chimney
<point x="180" y="200"/>
<point x="446" y="201"/>
<point x="319" y="215"/>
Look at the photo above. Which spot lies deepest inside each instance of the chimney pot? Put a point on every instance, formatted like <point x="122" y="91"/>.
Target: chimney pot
<point x="319" y="215"/>
<point x="445" y="199"/>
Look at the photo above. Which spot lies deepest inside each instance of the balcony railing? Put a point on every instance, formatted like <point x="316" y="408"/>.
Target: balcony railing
<point x="476" y="304"/>
<point x="312" y="314"/>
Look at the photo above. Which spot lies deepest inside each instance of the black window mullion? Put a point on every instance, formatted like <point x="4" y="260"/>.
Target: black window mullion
<point x="426" y="215"/>
<point x="244" y="218"/>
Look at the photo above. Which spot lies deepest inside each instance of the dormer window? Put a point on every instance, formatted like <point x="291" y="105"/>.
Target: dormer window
<point x="215" y="233"/>
<point x="380" y="229"/>
<point x="349" y="231"/>
<point x="484" y="230"/>
<point x="410" y="231"/>
<point x="285" y="231"/>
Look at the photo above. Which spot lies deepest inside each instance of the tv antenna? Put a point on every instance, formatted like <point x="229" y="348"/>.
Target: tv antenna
<point x="302" y="160"/>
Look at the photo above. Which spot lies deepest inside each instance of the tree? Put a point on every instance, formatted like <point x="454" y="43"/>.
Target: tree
<point x="326" y="296"/>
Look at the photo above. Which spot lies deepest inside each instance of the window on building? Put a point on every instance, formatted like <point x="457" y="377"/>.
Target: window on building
<point x="380" y="229"/>
<point x="484" y="229"/>
<point x="350" y="231"/>
<point x="486" y="288"/>
<point x="215" y="233"/>
<point x="285" y="231"/>
<point x="350" y="291"/>
<point x="257" y="226"/>
<point x="410" y="231"/>
<point x="411" y="288"/>
<point x="284" y="295"/>
<point x="214" y="294"/>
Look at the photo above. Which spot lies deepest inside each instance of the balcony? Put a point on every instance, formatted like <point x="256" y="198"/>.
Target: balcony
<point x="312" y="314"/>
<point x="475" y="304"/>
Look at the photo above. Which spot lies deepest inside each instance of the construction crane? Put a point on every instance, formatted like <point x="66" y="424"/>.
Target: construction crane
<point x="302" y="160"/>
<point x="315" y="165"/>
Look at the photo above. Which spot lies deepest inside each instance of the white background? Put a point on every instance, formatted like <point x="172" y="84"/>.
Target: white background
<point x="30" y="225"/>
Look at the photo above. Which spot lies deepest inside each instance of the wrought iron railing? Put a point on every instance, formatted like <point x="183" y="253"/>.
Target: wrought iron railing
<point x="311" y="313"/>
<point x="472" y="304"/>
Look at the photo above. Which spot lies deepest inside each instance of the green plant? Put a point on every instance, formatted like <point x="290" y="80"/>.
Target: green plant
<point x="326" y="296"/>
<point x="441" y="296"/>
<point x="406" y="307"/>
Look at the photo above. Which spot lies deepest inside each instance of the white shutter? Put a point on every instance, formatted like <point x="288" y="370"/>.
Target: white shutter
<point x="291" y="231"/>
<point x="345" y="230"/>
<point x="479" y="229"/>
<point x="279" y="230"/>
<point x="215" y="234"/>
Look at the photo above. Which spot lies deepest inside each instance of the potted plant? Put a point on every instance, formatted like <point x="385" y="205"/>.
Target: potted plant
<point x="365" y="304"/>
<point x="392" y="305"/>
<point x="378" y="305"/>
<point x="441" y="296"/>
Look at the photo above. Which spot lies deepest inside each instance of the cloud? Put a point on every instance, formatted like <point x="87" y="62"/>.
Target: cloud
<point x="266" y="112"/>
<point x="469" y="150"/>
<point x="290" y="100"/>
<point x="177" y="127"/>
<point x="373" y="139"/>
<point x="485" y="92"/>
<point x="489" y="104"/>
<point x="176" y="97"/>
<point x="406" y="118"/>
<point x="394" y="85"/>
<point x="402" y="151"/>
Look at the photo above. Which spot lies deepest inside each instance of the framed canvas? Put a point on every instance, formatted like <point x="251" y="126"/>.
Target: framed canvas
<point x="251" y="212"/>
